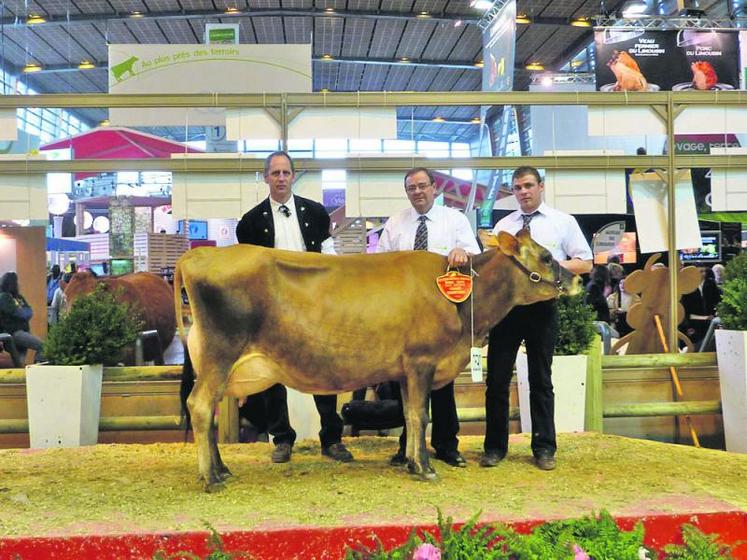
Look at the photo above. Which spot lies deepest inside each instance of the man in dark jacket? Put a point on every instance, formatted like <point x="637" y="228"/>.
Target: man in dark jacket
<point x="293" y="223"/>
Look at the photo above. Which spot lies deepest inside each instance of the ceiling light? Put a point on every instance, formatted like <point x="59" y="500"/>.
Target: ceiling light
<point x="479" y="64"/>
<point x="105" y="122"/>
<point x="136" y="14"/>
<point x="475" y="120"/>
<point x="33" y="19"/>
<point x="86" y="65"/>
<point x="324" y="90"/>
<point x="32" y="67"/>
<point x="458" y="23"/>
<point x="634" y="8"/>
<point x="547" y="81"/>
<point x="481" y="4"/>
<point x="423" y="15"/>
<point x="327" y="57"/>
<point x="329" y="10"/>
<point x="581" y="22"/>
<point x="534" y="66"/>
<point x="523" y="18"/>
<point x="404" y="59"/>
<point x="232" y="11"/>
<point x="438" y="119"/>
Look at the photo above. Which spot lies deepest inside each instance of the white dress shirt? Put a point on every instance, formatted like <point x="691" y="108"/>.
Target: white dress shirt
<point x="288" y="230"/>
<point x="447" y="229"/>
<point x="555" y="230"/>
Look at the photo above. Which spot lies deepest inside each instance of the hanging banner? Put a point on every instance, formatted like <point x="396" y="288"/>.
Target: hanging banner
<point x="498" y="45"/>
<point x="685" y="59"/>
<point x="212" y="69"/>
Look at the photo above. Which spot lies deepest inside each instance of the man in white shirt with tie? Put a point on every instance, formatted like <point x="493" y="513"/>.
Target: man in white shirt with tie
<point x="536" y="325"/>
<point x="428" y="227"/>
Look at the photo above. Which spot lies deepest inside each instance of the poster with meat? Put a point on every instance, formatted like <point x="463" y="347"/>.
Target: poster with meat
<point x="684" y="59"/>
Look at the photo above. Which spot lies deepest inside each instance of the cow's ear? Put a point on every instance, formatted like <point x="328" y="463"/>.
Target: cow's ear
<point x="488" y="240"/>
<point x="508" y="244"/>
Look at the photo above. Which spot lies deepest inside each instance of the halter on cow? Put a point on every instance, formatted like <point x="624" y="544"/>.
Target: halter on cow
<point x="328" y="324"/>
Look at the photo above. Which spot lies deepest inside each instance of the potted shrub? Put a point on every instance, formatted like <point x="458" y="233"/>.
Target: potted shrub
<point x="575" y="335"/>
<point x="731" y="349"/>
<point x="64" y="394"/>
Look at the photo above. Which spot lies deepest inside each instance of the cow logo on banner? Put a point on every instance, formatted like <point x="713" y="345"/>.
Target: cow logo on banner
<point x="455" y="286"/>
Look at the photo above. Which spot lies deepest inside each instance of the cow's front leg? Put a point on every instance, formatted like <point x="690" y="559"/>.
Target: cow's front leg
<point x="201" y="403"/>
<point x="415" y="401"/>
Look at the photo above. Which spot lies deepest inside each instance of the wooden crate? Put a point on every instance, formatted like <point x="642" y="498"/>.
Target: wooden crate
<point x="156" y="251"/>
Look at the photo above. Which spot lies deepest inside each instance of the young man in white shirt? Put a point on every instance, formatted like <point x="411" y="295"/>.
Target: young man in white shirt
<point x="426" y="226"/>
<point x="534" y="324"/>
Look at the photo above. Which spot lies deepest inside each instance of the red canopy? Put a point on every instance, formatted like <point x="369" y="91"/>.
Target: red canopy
<point x="112" y="142"/>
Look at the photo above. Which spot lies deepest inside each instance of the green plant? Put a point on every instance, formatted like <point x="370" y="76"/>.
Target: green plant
<point x="698" y="546"/>
<point x="215" y="550"/>
<point x="575" y="326"/>
<point x="95" y="330"/>
<point x="733" y="307"/>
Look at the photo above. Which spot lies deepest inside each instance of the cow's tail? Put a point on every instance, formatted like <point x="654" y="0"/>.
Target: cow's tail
<point x="188" y="374"/>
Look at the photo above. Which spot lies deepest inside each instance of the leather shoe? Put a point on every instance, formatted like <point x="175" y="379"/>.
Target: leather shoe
<point x="338" y="452"/>
<point x="491" y="458"/>
<point x="545" y="461"/>
<point x="399" y="459"/>
<point x="453" y="458"/>
<point x="282" y="453"/>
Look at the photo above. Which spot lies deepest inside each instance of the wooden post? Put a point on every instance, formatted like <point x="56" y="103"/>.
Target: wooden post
<point x="228" y="420"/>
<point x="593" y="421"/>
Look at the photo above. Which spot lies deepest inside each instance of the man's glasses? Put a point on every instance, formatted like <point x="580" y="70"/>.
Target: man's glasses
<point x="419" y="187"/>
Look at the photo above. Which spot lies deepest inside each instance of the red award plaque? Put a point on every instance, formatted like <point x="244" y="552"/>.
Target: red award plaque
<point x="455" y="286"/>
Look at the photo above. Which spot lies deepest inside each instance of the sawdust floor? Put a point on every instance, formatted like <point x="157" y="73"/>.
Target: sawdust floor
<point x="108" y="489"/>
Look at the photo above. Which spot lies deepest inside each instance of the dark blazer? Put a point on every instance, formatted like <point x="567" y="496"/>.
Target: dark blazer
<point x="257" y="227"/>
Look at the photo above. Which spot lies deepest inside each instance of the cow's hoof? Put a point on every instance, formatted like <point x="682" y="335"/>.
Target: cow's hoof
<point x="213" y="487"/>
<point x="223" y="473"/>
<point x="422" y="472"/>
<point x="428" y="476"/>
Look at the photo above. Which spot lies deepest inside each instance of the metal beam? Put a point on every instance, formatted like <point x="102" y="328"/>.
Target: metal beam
<point x="251" y="164"/>
<point x="370" y="99"/>
<point x="664" y="22"/>
<point x="55" y="20"/>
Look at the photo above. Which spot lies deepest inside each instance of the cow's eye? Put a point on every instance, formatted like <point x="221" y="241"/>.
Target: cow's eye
<point x="547" y="259"/>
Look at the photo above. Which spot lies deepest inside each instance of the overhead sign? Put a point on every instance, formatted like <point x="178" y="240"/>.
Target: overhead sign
<point x="685" y="59"/>
<point x="222" y="33"/>
<point x="173" y="69"/>
<point x="498" y="45"/>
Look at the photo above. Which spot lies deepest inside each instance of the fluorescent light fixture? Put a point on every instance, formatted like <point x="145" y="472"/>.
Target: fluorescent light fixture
<point x="34" y="19"/>
<point x="404" y="59"/>
<point x="32" y="67"/>
<point x="475" y="120"/>
<point x="105" y="122"/>
<point x="581" y="22"/>
<point x="479" y="64"/>
<point x="86" y="65"/>
<point x="438" y="119"/>
<point x="327" y="57"/>
<point x="324" y="90"/>
<point x="534" y="67"/>
<point x="136" y="14"/>
<point x="423" y="15"/>
<point x="458" y="23"/>
<point x="523" y="18"/>
<point x="329" y="10"/>
<point x="232" y="11"/>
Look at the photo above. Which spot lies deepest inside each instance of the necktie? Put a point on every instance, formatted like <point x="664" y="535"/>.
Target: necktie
<point x="284" y="210"/>
<point x="526" y="218"/>
<point x="421" y="235"/>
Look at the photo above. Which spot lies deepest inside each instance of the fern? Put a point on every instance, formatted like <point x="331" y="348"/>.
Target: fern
<point x="733" y="307"/>
<point x="698" y="546"/>
<point x="575" y="326"/>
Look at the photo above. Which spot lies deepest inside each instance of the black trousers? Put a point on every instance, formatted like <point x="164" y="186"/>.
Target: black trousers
<point x="268" y="411"/>
<point x="445" y="425"/>
<point x="537" y="326"/>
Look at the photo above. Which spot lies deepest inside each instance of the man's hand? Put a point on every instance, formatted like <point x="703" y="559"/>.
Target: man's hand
<point x="458" y="257"/>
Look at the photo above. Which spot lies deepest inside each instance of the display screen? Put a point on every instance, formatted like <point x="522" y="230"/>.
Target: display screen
<point x="198" y="229"/>
<point x="121" y="266"/>
<point x="99" y="269"/>
<point x="625" y="250"/>
<point x="709" y="251"/>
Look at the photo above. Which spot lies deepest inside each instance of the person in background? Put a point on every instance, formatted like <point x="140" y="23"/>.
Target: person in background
<point x="700" y="306"/>
<point x="536" y="325"/>
<point x="53" y="281"/>
<point x="597" y="291"/>
<point x="438" y="229"/>
<point x="286" y="221"/>
<point x="718" y="273"/>
<point x="619" y="302"/>
<point x="15" y="313"/>
<point x="57" y="308"/>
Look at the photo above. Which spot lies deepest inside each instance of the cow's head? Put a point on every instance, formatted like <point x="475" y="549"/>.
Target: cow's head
<point x="545" y="275"/>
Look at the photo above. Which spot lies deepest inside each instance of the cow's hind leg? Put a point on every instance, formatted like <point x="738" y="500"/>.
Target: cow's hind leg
<point x="201" y="403"/>
<point x="219" y="468"/>
<point x="415" y="402"/>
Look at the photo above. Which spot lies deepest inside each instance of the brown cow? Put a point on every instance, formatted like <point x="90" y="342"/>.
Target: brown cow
<point x="326" y="324"/>
<point x="149" y="295"/>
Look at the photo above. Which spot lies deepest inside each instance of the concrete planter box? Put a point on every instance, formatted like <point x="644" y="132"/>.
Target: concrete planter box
<point x="731" y="350"/>
<point x="569" y="383"/>
<point x="64" y="403"/>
